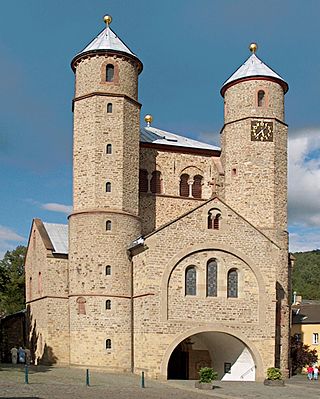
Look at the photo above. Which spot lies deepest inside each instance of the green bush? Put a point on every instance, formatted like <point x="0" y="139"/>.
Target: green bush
<point x="207" y="374"/>
<point x="274" y="374"/>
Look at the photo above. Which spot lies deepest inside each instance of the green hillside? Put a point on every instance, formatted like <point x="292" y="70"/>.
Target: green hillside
<point x="306" y="274"/>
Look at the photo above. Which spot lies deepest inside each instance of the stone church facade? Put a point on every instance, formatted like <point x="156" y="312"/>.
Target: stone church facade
<point x="176" y="252"/>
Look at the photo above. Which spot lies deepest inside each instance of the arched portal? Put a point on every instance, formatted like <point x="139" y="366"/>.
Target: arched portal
<point x="226" y="354"/>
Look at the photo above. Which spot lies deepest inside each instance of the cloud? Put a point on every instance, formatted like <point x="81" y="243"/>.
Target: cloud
<point x="54" y="207"/>
<point x="304" y="189"/>
<point x="304" y="178"/>
<point x="303" y="240"/>
<point x="9" y="239"/>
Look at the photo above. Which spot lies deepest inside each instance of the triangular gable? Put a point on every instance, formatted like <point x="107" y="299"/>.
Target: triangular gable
<point x="213" y="199"/>
<point x="45" y="238"/>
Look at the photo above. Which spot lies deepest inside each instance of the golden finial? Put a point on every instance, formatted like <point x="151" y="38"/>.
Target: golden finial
<point x="253" y="47"/>
<point x="148" y="118"/>
<point x="107" y="19"/>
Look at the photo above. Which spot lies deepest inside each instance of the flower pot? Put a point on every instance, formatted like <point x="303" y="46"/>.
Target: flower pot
<point x="274" y="383"/>
<point x="204" y="385"/>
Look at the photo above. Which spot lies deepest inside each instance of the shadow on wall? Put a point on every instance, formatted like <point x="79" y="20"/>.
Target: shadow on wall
<point x="147" y="190"/>
<point x="12" y="334"/>
<point x="36" y="344"/>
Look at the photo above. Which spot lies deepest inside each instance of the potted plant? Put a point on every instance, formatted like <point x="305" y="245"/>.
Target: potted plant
<point x="206" y="376"/>
<point x="274" y="377"/>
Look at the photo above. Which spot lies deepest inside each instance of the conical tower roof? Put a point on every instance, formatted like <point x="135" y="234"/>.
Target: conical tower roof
<point x="253" y="68"/>
<point x="106" y="41"/>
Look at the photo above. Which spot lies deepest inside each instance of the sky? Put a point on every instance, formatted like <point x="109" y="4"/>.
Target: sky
<point x="188" y="48"/>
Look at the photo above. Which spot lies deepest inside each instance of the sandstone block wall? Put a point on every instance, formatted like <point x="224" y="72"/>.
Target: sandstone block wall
<point x="172" y="165"/>
<point x="47" y="302"/>
<point x="90" y="75"/>
<point x="162" y="312"/>
<point x="241" y="101"/>
<point x="88" y="280"/>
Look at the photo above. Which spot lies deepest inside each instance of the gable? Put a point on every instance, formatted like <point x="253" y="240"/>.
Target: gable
<point x="231" y="222"/>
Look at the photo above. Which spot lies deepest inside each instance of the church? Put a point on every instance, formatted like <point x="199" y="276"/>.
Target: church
<point x="175" y="255"/>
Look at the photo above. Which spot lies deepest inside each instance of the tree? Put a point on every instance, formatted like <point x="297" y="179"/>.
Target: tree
<point x="12" y="282"/>
<point x="306" y="274"/>
<point x="301" y="355"/>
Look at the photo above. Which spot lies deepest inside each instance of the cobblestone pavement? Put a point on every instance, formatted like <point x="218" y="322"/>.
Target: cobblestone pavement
<point x="61" y="383"/>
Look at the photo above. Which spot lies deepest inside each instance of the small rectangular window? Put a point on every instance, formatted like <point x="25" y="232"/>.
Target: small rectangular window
<point x="315" y="338"/>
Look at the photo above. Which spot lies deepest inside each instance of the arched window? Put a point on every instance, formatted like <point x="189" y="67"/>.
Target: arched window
<point x="108" y="270"/>
<point x="155" y="182"/>
<point x="109" y="73"/>
<point x="109" y="149"/>
<point x="261" y="98"/>
<point x="39" y="283"/>
<point x="233" y="283"/>
<point x="108" y="225"/>
<point x="109" y="108"/>
<point x="108" y="187"/>
<point x="143" y="181"/>
<point x="81" y="302"/>
<point x="108" y="304"/>
<point x="212" y="269"/>
<point x="214" y="217"/>
<point x="108" y="343"/>
<point x="184" y="186"/>
<point x="191" y="281"/>
<point x="197" y="187"/>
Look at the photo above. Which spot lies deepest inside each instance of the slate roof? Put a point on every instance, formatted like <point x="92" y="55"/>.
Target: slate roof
<point x="107" y="40"/>
<point x="58" y="234"/>
<point x="253" y="67"/>
<point x="308" y="313"/>
<point x="151" y="134"/>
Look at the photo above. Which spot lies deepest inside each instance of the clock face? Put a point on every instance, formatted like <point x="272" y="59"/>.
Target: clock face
<point x="261" y="131"/>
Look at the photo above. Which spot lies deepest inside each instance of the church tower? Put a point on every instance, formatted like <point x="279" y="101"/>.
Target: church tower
<point x="254" y="144"/>
<point x="105" y="219"/>
<point x="254" y="155"/>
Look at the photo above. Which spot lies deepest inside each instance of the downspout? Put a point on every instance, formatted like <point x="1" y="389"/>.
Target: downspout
<point x="131" y="312"/>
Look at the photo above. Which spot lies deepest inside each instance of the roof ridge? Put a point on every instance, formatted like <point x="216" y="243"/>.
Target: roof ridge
<point x="178" y="140"/>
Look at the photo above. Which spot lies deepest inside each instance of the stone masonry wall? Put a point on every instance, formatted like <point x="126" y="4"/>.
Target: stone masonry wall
<point x="88" y="280"/>
<point x="90" y="76"/>
<point x="162" y="312"/>
<point x="47" y="302"/>
<point x="172" y="165"/>
<point x="241" y="101"/>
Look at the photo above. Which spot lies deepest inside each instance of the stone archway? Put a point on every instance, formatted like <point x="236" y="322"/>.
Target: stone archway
<point x="225" y="353"/>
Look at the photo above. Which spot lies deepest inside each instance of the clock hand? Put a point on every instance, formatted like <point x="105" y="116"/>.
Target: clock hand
<point x="261" y="131"/>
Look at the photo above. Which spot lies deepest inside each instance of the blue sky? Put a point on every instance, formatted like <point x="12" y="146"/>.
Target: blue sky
<point x="188" y="50"/>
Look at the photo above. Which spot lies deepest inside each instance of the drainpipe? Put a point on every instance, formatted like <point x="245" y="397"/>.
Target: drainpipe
<point x="131" y="312"/>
